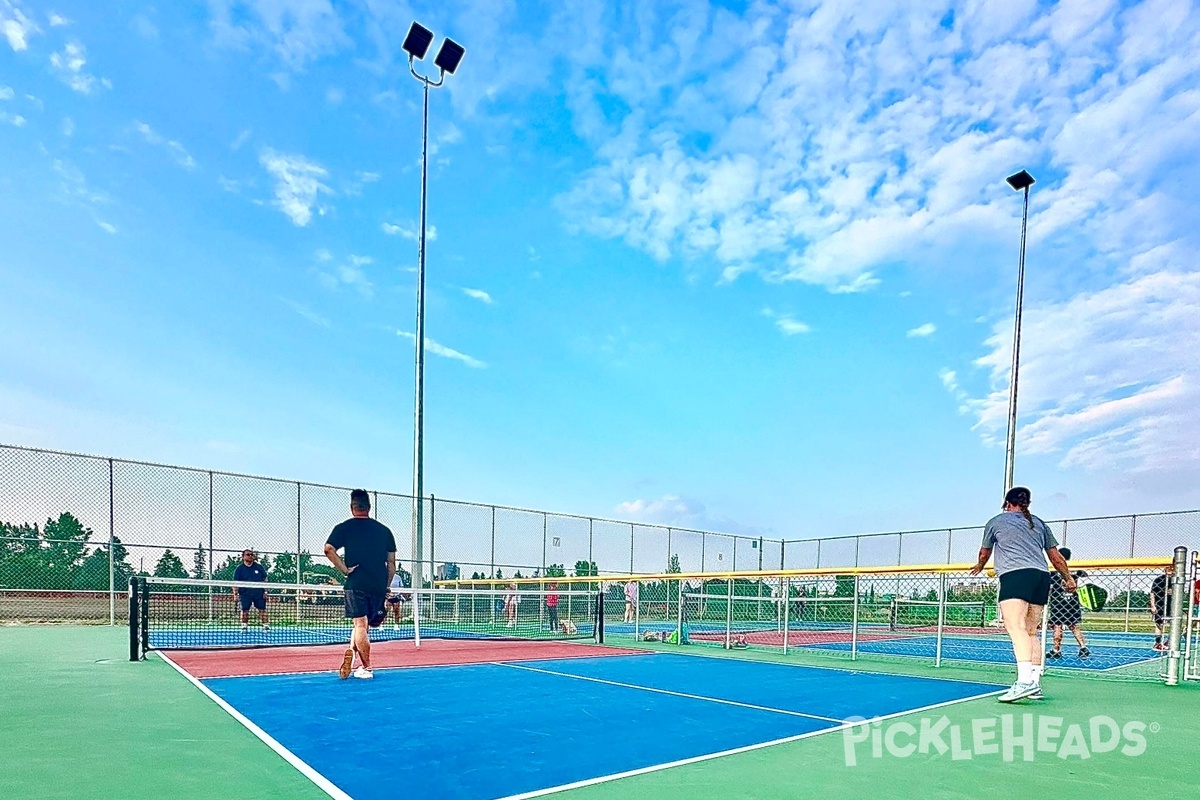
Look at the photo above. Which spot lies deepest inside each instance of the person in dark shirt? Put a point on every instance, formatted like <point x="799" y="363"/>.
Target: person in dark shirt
<point x="251" y="571"/>
<point x="368" y="561"/>
<point x="1065" y="612"/>
<point x="1160" y="599"/>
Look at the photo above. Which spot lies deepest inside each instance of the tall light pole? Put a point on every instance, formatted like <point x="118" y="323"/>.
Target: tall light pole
<point x="416" y="44"/>
<point x="1019" y="182"/>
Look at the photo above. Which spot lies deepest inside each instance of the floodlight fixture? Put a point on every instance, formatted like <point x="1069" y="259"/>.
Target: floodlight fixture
<point x="417" y="42"/>
<point x="1022" y="180"/>
<point x="450" y="53"/>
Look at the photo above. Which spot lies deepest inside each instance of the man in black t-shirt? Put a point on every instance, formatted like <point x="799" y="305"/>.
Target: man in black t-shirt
<point x="1160" y="599"/>
<point x="368" y="561"/>
<point x="251" y="571"/>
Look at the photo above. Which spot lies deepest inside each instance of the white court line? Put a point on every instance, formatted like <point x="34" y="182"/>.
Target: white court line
<point x="287" y="755"/>
<point x="835" y="720"/>
<point x="710" y="756"/>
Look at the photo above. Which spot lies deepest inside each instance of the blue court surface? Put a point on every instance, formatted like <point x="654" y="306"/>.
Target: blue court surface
<point x="504" y="730"/>
<point x="1111" y="652"/>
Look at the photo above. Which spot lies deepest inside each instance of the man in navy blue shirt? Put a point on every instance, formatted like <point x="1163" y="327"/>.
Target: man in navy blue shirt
<point x="368" y="561"/>
<point x="251" y="571"/>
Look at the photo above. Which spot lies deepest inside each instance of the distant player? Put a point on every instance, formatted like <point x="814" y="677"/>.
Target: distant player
<point x="1065" y="612"/>
<point x="510" y="605"/>
<point x="250" y="571"/>
<point x="368" y="561"/>
<point x="396" y="598"/>
<point x="1160" y="599"/>
<point x="552" y="606"/>
<point x="1022" y="543"/>
<point x="631" y="600"/>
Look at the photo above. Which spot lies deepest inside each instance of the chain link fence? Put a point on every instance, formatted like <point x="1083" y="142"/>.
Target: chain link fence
<point x="75" y="528"/>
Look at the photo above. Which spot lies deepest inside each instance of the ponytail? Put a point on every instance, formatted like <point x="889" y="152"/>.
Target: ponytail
<point x="1020" y="497"/>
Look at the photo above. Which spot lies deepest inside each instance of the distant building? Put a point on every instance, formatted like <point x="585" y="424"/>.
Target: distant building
<point x="447" y="572"/>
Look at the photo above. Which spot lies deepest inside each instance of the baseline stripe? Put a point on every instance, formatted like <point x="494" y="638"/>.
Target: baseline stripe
<point x="320" y="780"/>
<point x="834" y="720"/>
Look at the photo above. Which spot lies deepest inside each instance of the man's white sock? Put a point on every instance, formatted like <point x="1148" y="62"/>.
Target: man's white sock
<point x="1024" y="672"/>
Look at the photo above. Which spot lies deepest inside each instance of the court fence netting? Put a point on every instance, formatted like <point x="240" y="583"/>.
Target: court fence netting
<point x="191" y="614"/>
<point x="1141" y="621"/>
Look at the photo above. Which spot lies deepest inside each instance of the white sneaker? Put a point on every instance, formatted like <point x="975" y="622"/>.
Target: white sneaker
<point x="1037" y="695"/>
<point x="396" y="626"/>
<point x="364" y="673"/>
<point x="245" y="628"/>
<point x="1019" y="691"/>
<point x="266" y="627"/>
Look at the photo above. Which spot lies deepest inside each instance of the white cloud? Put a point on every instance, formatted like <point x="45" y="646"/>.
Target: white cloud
<point x="1109" y="378"/>
<point x="445" y="352"/>
<point x="922" y="331"/>
<point x="478" y="294"/>
<point x="15" y="120"/>
<point x="17" y="27"/>
<point x="58" y="20"/>
<point x="298" y="185"/>
<point x="69" y="64"/>
<point x="241" y="139"/>
<point x="409" y="231"/>
<point x="176" y="150"/>
<point x="6" y="93"/>
<point x="107" y="226"/>
<point x="681" y="511"/>
<point x="307" y="313"/>
<point x="791" y="327"/>
<point x="831" y="144"/>
<point x="68" y="127"/>
<point x="297" y="31"/>
<point x="349" y="274"/>
<point x="367" y="177"/>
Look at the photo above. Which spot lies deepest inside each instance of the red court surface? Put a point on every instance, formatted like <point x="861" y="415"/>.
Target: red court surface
<point x="327" y="658"/>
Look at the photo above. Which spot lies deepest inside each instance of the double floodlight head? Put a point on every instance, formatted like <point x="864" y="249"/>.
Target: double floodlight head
<point x="1022" y="180"/>
<point x="417" y="42"/>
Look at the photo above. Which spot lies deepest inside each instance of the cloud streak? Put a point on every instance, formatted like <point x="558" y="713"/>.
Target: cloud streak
<point x="299" y="185"/>
<point x="445" y="352"/>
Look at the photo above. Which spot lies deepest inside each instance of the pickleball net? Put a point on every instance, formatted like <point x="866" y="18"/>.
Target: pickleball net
<point x="189" y="614"/>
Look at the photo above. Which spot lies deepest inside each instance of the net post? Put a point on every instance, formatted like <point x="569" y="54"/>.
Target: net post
<point x="1179" y="586"/>
<point x="941" y="623"/>
<point x="679" y="614"/>
<point x="728" y="611"/>
<point x="134" y="620"/>
<point x="144" y="615"/>
<point x="787" y="604"/>
<point x="854" y="621"/>
<point x="637" y="614"/>
<point x="416" y="596"/>
<point x="600" y="615"/>
<point x="299" y="568"/>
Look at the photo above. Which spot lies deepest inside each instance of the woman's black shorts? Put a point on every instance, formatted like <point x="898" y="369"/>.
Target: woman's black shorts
<point x="1030" y="585"/>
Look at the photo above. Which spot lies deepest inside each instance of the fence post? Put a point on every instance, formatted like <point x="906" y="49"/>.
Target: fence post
<point x="1178" y="607"/>
<point x="818" y="553"/>
<point x="668" y="548"/>
<point x="1129" y="585"/>
<point x="631" y="548"/>
<point x="782" y="552"/>
<point x="941" y="623"/>
<point x="112" y="535"/>
<point x="703" y="542"/>
<point x="854" y="622"/>
<point x="299" y="565"/>
<point x="432" y="540"/>
<point x="728" y="610"/>
<point x="949" y="545"/>
<point x="210" y="544"/>
<point x="857" y="545"/>
<point x="787" y="603"/>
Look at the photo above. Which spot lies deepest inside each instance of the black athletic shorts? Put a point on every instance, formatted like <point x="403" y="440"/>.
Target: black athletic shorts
<point x="365" y="604"/>
<point x="1030" y="585"/>
<point x="247" y="598"/>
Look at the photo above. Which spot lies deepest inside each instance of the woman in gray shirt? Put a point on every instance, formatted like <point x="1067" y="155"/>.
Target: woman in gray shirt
<point x="1021" y="543"/>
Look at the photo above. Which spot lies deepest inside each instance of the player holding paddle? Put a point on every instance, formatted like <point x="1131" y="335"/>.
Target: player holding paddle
<point x="1021" y="543"/>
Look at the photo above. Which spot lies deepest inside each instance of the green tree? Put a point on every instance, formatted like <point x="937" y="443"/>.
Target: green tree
<point x="499" y="574"/>
<point x="200" y="562"/>
<point x="284" y="570"/>
<point x="843" y="586"/>
<point x="585" y="569"/>
<point x="556" y="571"/>
<point x="169" y="566"/>
<point x="673" y="564"/>
<point x="225" y="571"/>
<point x="93" y="572"/>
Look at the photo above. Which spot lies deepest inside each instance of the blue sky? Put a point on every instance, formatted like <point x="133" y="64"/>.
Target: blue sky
<point x="744" y="267"/>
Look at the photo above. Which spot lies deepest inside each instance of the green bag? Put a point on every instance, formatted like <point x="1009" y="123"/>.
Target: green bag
<point x="1092" y="597"/>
